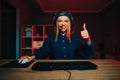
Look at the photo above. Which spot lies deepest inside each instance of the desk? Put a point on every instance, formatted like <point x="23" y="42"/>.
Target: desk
<point x="108" y="69"/>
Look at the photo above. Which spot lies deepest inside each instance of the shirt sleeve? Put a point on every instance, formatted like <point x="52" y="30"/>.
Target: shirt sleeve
<point x="84" y="50"/>
<point x="42" y="53"/>
<point x="88" y="49"/>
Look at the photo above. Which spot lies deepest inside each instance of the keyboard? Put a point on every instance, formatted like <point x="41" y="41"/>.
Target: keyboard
<point x="15" y="64"/>
<point x="76" y="65"/>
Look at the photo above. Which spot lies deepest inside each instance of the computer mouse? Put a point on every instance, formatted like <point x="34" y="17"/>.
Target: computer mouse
<point x="23" y="61"/>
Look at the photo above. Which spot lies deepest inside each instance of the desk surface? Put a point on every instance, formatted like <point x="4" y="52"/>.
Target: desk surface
<point x="108" y="69"/>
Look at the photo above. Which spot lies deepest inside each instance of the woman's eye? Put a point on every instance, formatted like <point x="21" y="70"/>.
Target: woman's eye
<point x="59" y="20"/>
<point x="66" y="21"/>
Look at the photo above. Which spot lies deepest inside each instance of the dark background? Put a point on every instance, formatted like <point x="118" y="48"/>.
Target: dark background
<point x="104" y="28"/>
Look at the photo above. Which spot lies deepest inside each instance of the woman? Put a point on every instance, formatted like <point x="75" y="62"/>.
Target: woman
<point x="63" y="44"/>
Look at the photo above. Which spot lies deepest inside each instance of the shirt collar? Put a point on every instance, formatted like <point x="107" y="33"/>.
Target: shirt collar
<point x="63" y="34"/>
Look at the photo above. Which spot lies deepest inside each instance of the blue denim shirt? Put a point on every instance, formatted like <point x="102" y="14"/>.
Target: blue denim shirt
<point x="63" y="49"/>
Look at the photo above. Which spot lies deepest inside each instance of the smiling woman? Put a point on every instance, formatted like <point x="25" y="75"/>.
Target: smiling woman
<point x="64" y="44"/>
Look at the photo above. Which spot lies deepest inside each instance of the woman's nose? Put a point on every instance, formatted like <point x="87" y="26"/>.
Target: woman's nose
<point x="63" y="23"/>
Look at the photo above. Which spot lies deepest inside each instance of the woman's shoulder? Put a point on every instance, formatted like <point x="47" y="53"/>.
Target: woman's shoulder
<point x="75" y="36"/>
<point x="52" y="35"/>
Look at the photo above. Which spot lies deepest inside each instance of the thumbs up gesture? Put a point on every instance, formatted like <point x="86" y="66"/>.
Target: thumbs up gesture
<point x="84" y="33"/>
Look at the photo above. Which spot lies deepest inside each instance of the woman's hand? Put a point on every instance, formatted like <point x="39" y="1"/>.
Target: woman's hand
<point x="85" y="34"/>
<point x="30" y="58"/>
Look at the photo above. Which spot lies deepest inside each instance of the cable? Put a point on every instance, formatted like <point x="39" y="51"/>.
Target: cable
<point x="69" y="77"/>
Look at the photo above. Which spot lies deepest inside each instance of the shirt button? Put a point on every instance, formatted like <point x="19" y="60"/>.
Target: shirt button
<point x="64" y="55"/>
<point x="63" y="40"/>
<point x="64" y="47"/>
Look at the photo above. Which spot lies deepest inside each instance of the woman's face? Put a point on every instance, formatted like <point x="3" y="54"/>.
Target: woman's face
<point x="63" y="22"/>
